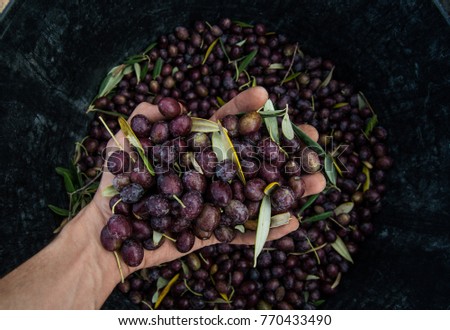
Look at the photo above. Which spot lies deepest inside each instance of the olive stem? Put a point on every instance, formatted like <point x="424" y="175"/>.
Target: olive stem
<point x="122" y="279"/>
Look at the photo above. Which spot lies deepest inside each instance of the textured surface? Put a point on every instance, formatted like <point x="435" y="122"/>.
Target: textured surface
<point x="52" y="58"/>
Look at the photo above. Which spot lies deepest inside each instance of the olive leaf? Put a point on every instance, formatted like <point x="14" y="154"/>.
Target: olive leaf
<point x="191" y="290"/>
<point x="135" y="59"/>
<point x="337" y="281"/>
<point x="243" y="24"/>
<point x="262" y="229"/>
<point x="134" y="141"/>
<point x="67" y="176"/>
<point x="218" y="146"/>
<point x="274" y="113"/>
<point x="113" y="78"/>
<point x="340" y="105"/>
<point x="330" y="170"/>
<point x="144" y="70"/>
<point x="366" y="171"/>
<point x="291" y="77"/>
<point x="160" y="283"/>
<point x="109" y="113"/>
<point x="318" y="303"/>
<point x="373" y="121"/>
<point x="327" y="79"/>
<point x="276" y="66"/>
<point x="158" y="67"/>
<point x="270" y="187"/>
<point x="286" y="126"/>
<point x="137" y="70"/>
<point x="59" y="211"/>
<point x="240" y="228"/>
<point x="203" y="125"/>
<point x="109" y="191"/>
<point x="271" y="122"/>
<point x="312" y="277"/>
<point x="220" y="101"/>
<point x="341" y="248"/>
<point x="307" y="140"/>
<point x="231" y="152"/>
<point x="185" y="268"/>
<point x="245" y="62"/>
<point x="308" y="203"/>
<point x="157" y="236"/>
<point x="194" y="162"/>
<point x="344" y="208"/>
<point x="209" y="50"/>
<point x="224" y="50"/>
<point x="280" y="220"/>
<point x="150" y="47"/>
<point x="241" y="43"/>
<point x="318" y="217"/>
<point x="338" y="169"/>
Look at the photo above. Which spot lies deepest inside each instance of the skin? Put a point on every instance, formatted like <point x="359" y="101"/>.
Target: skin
<point x="75" y="272"/>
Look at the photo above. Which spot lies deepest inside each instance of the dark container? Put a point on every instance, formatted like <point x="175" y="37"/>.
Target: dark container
<point x="53" y="55"/>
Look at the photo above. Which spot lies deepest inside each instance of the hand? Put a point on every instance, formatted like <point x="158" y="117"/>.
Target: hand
<point x="249" y="100"/>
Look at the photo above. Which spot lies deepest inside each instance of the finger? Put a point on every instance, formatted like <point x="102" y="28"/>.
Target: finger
<point x="314" y="183"/>
<point x="148" y="110"/>
<point x="250" y="100"/>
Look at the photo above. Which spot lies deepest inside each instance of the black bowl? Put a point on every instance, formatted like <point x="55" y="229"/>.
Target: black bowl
<point x="53" y="55"/>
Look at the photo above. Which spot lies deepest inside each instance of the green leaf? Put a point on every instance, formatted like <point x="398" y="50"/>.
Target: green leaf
<point x="150" y="47"/>
<point x="373" y="121"/>
<point x="134" y="141"/>
<point x="137" y="70"/>
<point x="366" y="171"/>
<point x="109" y="113"/>
<point x="185" y="268"/>
<point x="135" y="59"/>
<point x="291" y="77"/>
<point x="271" y="122"/>
<point x="262" y="230"/>
<point x="330" y="170"/>
<point x="144" y="70"/>
<point x="344" y="208"/>
<point x="276" y="66"/>
<point x="203" y="125"/>
<point x="341" y="248"/>
<point x="158" y="67"/>
<point x="275" y="113"/>
<point x="112" y="79"/>
<point x="231" y="152"/>
<point x="286" y="126"/>
<point x="241" y="43"/>
<point x="318" y="217"/>
<point x="340" y="105"/>
<point x="327" y="79"/>
<point x="224" y="50"/>
<point x="157" y="236"/>
<point x="308" y="203"/>
<point x="160" y="283"/>
<point x="312" y="277"/>
<point x="59" y="211"/>
<point x="307" y="140"/>
<point x="243" y="24"/>
<point x="245" y="62"/>
<point x="220" y="101"/>
<point x="280" y="220"/>
<point x="109" y="191"/>
<point x="318" y="303"/>
<point x="67" y="176"/>
<point x="240" y="228"/>
<point x="209" y="50"/>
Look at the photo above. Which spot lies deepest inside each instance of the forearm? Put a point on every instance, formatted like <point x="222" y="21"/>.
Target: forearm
<point x="72" y="272"/>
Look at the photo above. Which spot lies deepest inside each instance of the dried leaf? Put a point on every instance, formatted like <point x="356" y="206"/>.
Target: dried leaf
<point x="330" y="170"/>
<point x="280" y="220"/>
<point x="209" y="50"/>
<point x="337" y="281"/>
<point x="308" y="203"/>
<point x="203" y="125"/>
<point x="373" y="121"/>
<point x="307" y="140"/>
<point x="109" y="191"/>
<point x="318" y="217"/>
<point x="245" y="62"/>
<point x="262" y="230"/>
<point x="312" y="277"/>
<point x="158" y="67"/>
<point x="341" y="248"/>
<point x="366" y="171"/>
<point x="286" y="126"/>
<point x="337" y="167"/>
<point x="276" y="66"/>
<point x="134" y="141"/>
<point x="271" y="122"/>
<point x="59" y="211"/>
<point x="194" y="162"/>
<point x="327" y="79"/>
<point x="231" y="152"/>
<point x="344" y="208"/>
